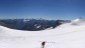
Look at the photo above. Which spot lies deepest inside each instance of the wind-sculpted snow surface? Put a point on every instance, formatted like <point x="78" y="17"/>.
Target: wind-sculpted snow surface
<point x="65" y="36"/>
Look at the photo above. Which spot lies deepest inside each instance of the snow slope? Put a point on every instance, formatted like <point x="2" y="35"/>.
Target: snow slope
<point x="68" y="35"/>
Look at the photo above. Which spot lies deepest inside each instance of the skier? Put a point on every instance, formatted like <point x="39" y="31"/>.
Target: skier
<point x="43" y="44"/>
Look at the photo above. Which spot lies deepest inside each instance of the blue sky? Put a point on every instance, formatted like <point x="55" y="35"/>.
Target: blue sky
<point x="48" y="9"/>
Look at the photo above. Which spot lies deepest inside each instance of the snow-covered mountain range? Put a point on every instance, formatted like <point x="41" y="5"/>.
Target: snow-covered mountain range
<point x="67" y="35"/>
<point x="31" y="24"/>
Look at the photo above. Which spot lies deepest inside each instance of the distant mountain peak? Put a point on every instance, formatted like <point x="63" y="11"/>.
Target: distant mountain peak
<point x="78" y="20"/>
